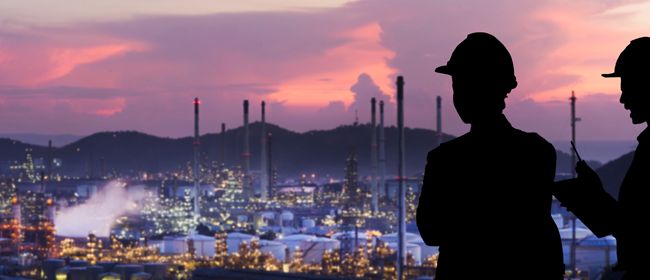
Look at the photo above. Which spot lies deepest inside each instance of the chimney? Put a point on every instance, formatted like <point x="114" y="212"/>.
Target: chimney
<point x="439" y="132"/>
<point x="401" y="226"/>
<point x="263" y="157"/>
<point x="196" y="158"/>
<point x="102" y="175"/>
<point x="246" y="155"/>
<point x="382" y="155"/>
<point x="270" y="174"/>
<point x="223" y="145"/>
<point x="50" y="204"/>
<point x="43" y="182"/>
<point x="15" y="209"/>
<point x="49" y="162"/>
<point x="373" y="160"/>
<point x="174" y="190"/>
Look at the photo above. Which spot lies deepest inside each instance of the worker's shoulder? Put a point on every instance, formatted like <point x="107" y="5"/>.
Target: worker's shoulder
<point x="531" y="139"/>
<point x="449" y="147"/>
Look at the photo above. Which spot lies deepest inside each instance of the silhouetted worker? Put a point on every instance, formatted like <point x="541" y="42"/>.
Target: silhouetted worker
<point x="625" y="219"/>
<point x="486" y="196"/>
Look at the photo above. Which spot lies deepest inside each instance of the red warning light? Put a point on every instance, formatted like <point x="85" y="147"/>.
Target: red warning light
<point x="438" y="134"/>
<point x="246" y="154"/>
<point x="197" y="102"/>
<point x="196" y="143"/>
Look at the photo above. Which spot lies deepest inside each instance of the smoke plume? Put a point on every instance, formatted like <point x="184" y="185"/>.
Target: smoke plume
<point x="97" y="214"/>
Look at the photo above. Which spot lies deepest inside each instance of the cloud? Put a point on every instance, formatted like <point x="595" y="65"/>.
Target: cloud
<point x="142" y="73"/>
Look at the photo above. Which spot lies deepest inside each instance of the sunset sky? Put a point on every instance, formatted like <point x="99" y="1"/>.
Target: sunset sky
<point x="80" y="67"/>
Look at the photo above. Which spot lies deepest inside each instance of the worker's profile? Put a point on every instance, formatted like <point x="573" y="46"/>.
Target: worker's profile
<point x="586" y="196"/>
<point x="482" y="187"/>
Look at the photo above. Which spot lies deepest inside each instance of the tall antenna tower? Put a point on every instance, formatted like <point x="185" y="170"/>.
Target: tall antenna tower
<point x="196" y="158"/>
<point x="573" y="172"/>
<point x="573" y="133"/>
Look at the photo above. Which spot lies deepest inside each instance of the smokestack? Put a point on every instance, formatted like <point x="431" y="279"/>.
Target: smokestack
<point x="196" y="158"/>
<point x="102" y="175"/>
<point x="51" y="209"/>
<point x="382" y="155"/>
<point x="439" y="132"/>
<point x="373" y="160"/>
<point x="270" y="174"/>
<point x="15" y="209"/>
<point x="91" y="166"/>
<point x="246" y="155"/>
<point x="401" y="226"/>
<point x="174" y="190"/>
<point x="43" y="182"/>
<point x="223" y="144"/>
<point x="263" y="157"/>
<point x="49" y="162"/>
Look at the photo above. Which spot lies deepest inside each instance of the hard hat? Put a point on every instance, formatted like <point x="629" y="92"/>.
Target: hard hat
<point x="483" y="56"/>
<point x="634" y="60"/>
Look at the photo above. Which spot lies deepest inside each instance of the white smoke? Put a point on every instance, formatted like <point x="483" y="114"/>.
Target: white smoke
<point x="98" y="213"/>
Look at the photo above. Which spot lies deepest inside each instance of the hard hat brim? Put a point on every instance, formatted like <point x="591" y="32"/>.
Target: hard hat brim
<point x="444" y="70"/>
<point x="611" y="75"/>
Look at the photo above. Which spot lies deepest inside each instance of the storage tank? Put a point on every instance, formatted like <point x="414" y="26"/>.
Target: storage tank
<point x="94" y="272"/>
<point x="287" y="218"/>
<point x="107" y="266"/>
<point x="276" y="249"/>
<point x="567" y="233"/>
<point x="410" y="249"/>
<point x="79" y="263"/>
<point x="263" y="219"/>
<point x="158" y="271"/>
<point x="62" y="273"/>
<point x="167" y="245"/>
<point x="308" y="223"/>
<point x="109" y="276"/>
<point x="78" y="273"/>
<point x="314" y="248"/>
<point x="293" y="241"/>
<point x="390" y="238"/>
<point x="233" y="240"/>
<point x="126" y="270"/>
<point x="425" y="250"/>
<point x="50" y="266"/>
<point x="203" y="245"/>
<point x="140" y="276"/>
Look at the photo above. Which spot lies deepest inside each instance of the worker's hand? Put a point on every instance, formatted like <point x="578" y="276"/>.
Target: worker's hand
<point x="587" y="176"/>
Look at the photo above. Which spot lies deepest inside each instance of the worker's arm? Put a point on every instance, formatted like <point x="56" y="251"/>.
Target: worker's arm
<point x="586" y="198"/>
<point x="429" y="216"/>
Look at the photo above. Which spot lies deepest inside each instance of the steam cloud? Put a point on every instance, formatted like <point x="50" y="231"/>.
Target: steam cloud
<point x="98" y="213"/>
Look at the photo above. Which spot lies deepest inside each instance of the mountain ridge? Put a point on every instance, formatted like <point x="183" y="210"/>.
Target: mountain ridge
<point x="320" y="152"/>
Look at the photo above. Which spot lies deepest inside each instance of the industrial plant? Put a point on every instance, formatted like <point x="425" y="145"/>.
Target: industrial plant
<point x="206" y="220"/>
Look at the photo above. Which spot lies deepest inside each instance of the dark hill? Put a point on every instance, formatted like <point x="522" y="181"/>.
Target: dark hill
<point x="320" y="151"/>
<point x="612" y="173"/>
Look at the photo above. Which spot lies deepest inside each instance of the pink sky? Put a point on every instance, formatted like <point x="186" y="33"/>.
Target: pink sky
<point x="139" y="66"/>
